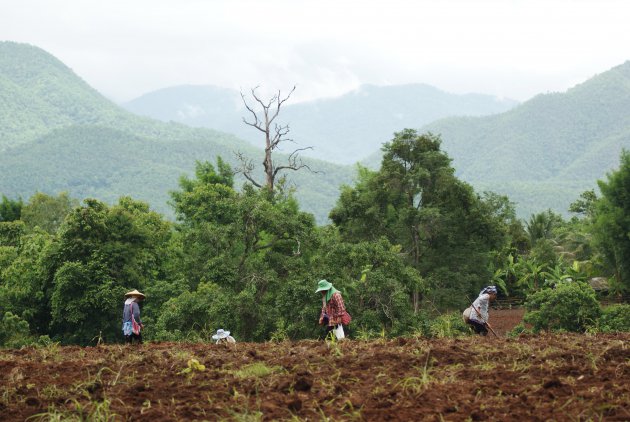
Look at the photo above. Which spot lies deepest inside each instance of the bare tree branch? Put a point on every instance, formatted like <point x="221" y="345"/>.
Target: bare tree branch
<point x="246" y="168"/>
<point x="262" y="120"/>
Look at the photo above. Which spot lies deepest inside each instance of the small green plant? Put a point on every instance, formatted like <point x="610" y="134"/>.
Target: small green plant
<point x="448" y="325"/>
<point x="99" y="339"/>
<point x="256" y="370"/>
<point x="99" y="411"/>
<point x="51" y="392"/>
<point x="365" y="334"/>
<point x="518" y="330"/>
<point x="49" y="349"/>
<point x="281" y="332"/>
<point x="193" y="366"/>
<point x="333" y="343"/>
<point x="615" y="318"/>
<point x="418" y="384"/>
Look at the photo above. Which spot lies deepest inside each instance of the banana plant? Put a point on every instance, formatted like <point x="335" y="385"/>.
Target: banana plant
<point x="556" y="274"/>
<point x="532" y="272"/>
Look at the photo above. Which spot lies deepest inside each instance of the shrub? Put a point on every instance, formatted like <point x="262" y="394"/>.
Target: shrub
<point x="193" y="316"/>
<point x="569" y="306"/>
<point x="518" y="330"/>
<point x="615" y="318"/>
<point x="448" y="325"/>
<point x="14" y="332"/>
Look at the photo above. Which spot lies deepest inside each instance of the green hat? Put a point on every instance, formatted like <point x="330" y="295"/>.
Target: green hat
<point x="323" y="285"/>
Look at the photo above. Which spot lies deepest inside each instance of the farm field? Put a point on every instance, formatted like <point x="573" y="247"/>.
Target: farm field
<point x="548" y="377"/>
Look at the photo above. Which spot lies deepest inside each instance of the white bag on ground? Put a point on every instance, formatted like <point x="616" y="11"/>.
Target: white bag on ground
<point x="339" y="332"/>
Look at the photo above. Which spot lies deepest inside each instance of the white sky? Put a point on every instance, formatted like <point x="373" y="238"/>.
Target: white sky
<point x="508" y="48"/>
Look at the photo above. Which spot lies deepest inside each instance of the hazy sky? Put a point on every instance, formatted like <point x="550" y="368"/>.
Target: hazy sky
<point x="515" y="49"/>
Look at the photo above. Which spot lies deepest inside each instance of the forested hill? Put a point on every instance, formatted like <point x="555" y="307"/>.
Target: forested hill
<point x="344" y="129"/>
<point x="548" y="150"/>
<point x="59" y="134"/>
<point x="39" y="93"/>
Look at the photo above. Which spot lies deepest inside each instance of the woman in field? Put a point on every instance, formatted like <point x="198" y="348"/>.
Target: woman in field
<point x="334" y="314"/>
<point x="223" y="336"/>
<point x="132" y="325"/>
<point x="478" y="318"/>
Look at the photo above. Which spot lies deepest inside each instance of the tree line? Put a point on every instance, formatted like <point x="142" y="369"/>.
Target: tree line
<point x="406" y="244"/>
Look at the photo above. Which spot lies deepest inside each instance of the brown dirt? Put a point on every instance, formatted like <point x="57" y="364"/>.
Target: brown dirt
<point x="533" y="378"/>
<point x="504" y="320"/>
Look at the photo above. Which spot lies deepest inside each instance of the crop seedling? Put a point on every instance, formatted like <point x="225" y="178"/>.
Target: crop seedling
<point x="351" y="414"/>
<point x="418" y="384"/>
<point x="51" y="392"/>
<point x="333" y="343"/>
<point x="193" y="366"/>
<point x="256" y="370"/>
<point x="94" y="412"/>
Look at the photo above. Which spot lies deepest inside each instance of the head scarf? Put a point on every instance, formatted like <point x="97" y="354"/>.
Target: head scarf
<point x="489" y="290"/>
<point x="330" y="292"/>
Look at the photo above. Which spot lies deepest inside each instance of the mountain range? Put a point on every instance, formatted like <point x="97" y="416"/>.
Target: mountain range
<point x="546" y="151"/>
<point x="542" y="153"/>
<point x="341" y="130"/>
<point x="59" y="134"/>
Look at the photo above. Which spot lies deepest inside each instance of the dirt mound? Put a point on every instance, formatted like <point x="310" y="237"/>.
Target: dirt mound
<point x="558" y="377"/>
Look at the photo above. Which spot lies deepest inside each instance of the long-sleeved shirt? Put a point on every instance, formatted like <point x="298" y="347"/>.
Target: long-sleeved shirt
<point x="335" y="309"/>
<point x="481" y="304"/>
<point x="127" y="309"/>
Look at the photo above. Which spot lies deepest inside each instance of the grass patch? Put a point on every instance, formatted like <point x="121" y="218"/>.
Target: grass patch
<point x="256" y="370"/>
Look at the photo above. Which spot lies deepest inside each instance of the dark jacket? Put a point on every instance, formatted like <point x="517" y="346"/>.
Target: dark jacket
<point x="127" y="312"/>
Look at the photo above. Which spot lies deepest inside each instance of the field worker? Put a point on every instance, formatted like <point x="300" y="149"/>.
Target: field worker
<point x="478" y="318"/>
<point x="223" y="336"/>
<point x="132" y="325"/>
<point x="334" y="314"/>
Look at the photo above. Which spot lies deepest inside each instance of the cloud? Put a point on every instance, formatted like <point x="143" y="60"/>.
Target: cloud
<point x="503" y="47"/>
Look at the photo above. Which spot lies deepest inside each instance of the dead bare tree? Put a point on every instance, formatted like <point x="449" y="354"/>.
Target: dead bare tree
<point x="263" y="119"/>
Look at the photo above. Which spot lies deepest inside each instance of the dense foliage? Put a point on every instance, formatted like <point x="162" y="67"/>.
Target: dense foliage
<point x="569" y="306"/>
<point x="612" y="224"/>
<point x="408" y="242"/>
<point x="414" y="200"/>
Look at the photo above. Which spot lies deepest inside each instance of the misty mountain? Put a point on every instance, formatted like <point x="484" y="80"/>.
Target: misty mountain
<point x="546" y="151"/>
<point x="344" y="129"/>
<point x="59" y="134"/>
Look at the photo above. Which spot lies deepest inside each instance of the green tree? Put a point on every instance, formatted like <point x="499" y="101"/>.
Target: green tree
<point x="47" y="212"/>
<point x="586" y="205"/>
<point x="102" y="252"/>
<point x="414" y="200"/>
<point x="10" y="210"/>
<point x="540" y="226"/>
<point x="612" y="226"/>
<point x="531" y="275"/>
<point x="14" y="332"/>
<point x="247" y="243"/>
<point x="26" y="286"/>
<point x="375" y="279"/>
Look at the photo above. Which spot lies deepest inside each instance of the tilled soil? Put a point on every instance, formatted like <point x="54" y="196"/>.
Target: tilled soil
<point x="547" y="377"/>
<point x="504" y="320"/>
